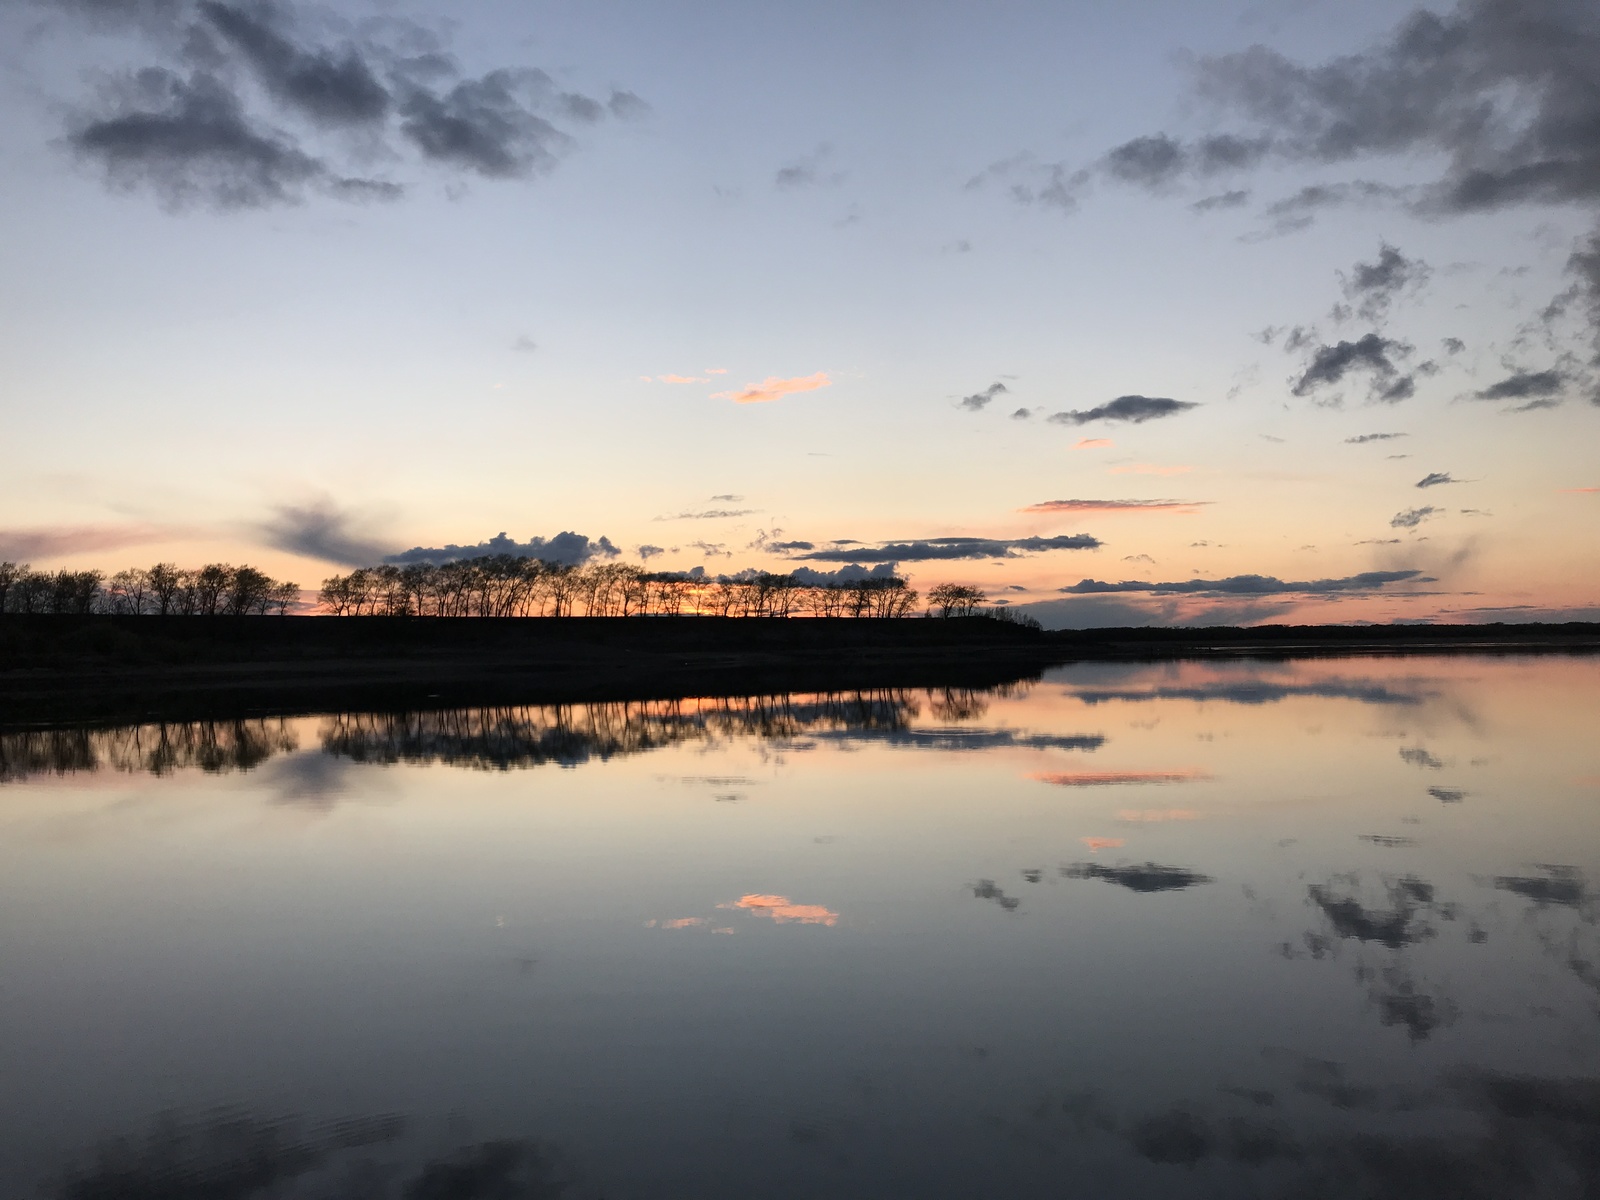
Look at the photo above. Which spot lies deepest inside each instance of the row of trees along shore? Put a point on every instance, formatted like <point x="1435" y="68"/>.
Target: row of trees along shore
<point x="214" y="590"/>
<point x="490" y="586"/>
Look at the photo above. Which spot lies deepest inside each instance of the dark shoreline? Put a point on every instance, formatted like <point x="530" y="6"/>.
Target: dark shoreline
<point x="92" y="669"/>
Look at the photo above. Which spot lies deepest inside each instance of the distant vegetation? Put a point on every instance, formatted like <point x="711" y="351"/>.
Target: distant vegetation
<point x="503" y="586"/>
<point x="489" y="586"/>
<point x="163" y="590"/>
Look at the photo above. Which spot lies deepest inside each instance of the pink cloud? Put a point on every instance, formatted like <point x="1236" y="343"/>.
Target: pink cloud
<point x="674" y="379"/>
<point x="1092" y="443"/>
<point x="782" y="910"/>
<point x="716" y="370"/>
<point x="1580" y="491"/>
<point x="1114" y="506"/>
<point x="1096" y="844"/>
<point x="773" y="388"/>
<point x="17" y="545"/>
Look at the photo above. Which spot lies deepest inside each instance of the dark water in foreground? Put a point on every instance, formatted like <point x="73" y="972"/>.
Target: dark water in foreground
<point x="1309" y="929"/>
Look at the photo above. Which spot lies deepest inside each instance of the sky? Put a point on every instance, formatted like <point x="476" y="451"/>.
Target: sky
<point x="1176" y="311"/>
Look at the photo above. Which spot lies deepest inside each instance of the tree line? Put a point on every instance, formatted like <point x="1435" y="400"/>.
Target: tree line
<point x="214" y="590"/>
<point x="489" y="586"/>
<point x="505" y="586"/>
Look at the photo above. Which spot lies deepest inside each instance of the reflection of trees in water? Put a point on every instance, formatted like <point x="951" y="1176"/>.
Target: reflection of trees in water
<point x="529" y="736"/>
<point x="235" y="1156"/>
<point x="213" y="746"/>
<point x="497" y="738"/>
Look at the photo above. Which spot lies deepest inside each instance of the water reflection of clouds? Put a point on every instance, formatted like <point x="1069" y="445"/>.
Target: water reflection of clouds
<point x="783" y="911"/>
<point x="1118" y="778"/>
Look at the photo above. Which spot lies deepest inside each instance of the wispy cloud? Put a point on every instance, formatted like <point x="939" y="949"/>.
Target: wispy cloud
<point x="1115" y="506"/>
<point x="323" y="531"/>
<point x="1412" y="517"/>
<point x="674" y="379"/>
<point x="1364" y="438"/>
<point x="1134" y="409"/>
<point x="774" y="388"/>
<point x="979" y="400"/>
<point x="59" y="541"/>
<point x="1092" y="443"/>
<point x="1435" y="478"/>
<point x="1118" y="778"/>
<point x="710" y="514"/>
<point x="950" y="548"/>
<point x="1251" y="585"/>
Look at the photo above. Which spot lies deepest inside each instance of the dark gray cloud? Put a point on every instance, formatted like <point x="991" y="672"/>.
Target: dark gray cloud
<point x="1142" y="877"/>
<point x="1364" y="438"/>
<point x="1503" y="92"/>
<point x="486" y="125"/>
<point x="1435" y="478"/>
<point x="1299" y="210"/>
<point x="1371" y="353"/>
<point x="1022" y="414"/>
<point x="1251" y="585"/>
<point x="1223" y="200"/>
<point x="1373" y="287"/>
<point x="322" y="531"/>
<point x="1525" y="385"/>
<point x="1561" y="885"/>
<point x="1147" y="161"/>
<point x="566" y="548"/>
<point x="647" y="552"/>
<point x="978" y="400"/>
<point x="335" y="87"/>
<point x="951" y="548"/>
<point x="625" y="106"/>
<point x="1453" y="345"/>
<point x="188" y="140"/>
<point x="1412" y="517"/>
<point x="1135" y="409"/>
<point x="183" y="129"/>
<point x="809" y="171"/>
<point x="850" y="573"/>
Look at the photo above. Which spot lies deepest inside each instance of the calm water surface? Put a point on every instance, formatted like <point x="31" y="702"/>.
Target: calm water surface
<point x="1322" y="928"/>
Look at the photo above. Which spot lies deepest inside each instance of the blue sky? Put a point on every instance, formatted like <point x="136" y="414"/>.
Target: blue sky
<point x="343" y="334"/>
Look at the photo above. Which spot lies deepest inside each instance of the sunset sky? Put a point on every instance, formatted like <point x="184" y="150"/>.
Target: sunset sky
<point x="1167" y="311"/>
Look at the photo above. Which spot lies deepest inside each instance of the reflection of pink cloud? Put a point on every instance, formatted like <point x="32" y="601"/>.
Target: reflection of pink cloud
<point x="1113" y="778"/>
<point x="782" y="910"/>
<point x="1148" y="469"/>
<point x="1099" y="843"/>
<point x="1114" y="506"/>
<point x="1092" y="443"/>
<point x="19" y="545"/>
<point x="773" y="388"/>
<point x="1157" y="814"/>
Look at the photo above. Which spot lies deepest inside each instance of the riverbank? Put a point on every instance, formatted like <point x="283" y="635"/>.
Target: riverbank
<point x="57" y="669"/>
